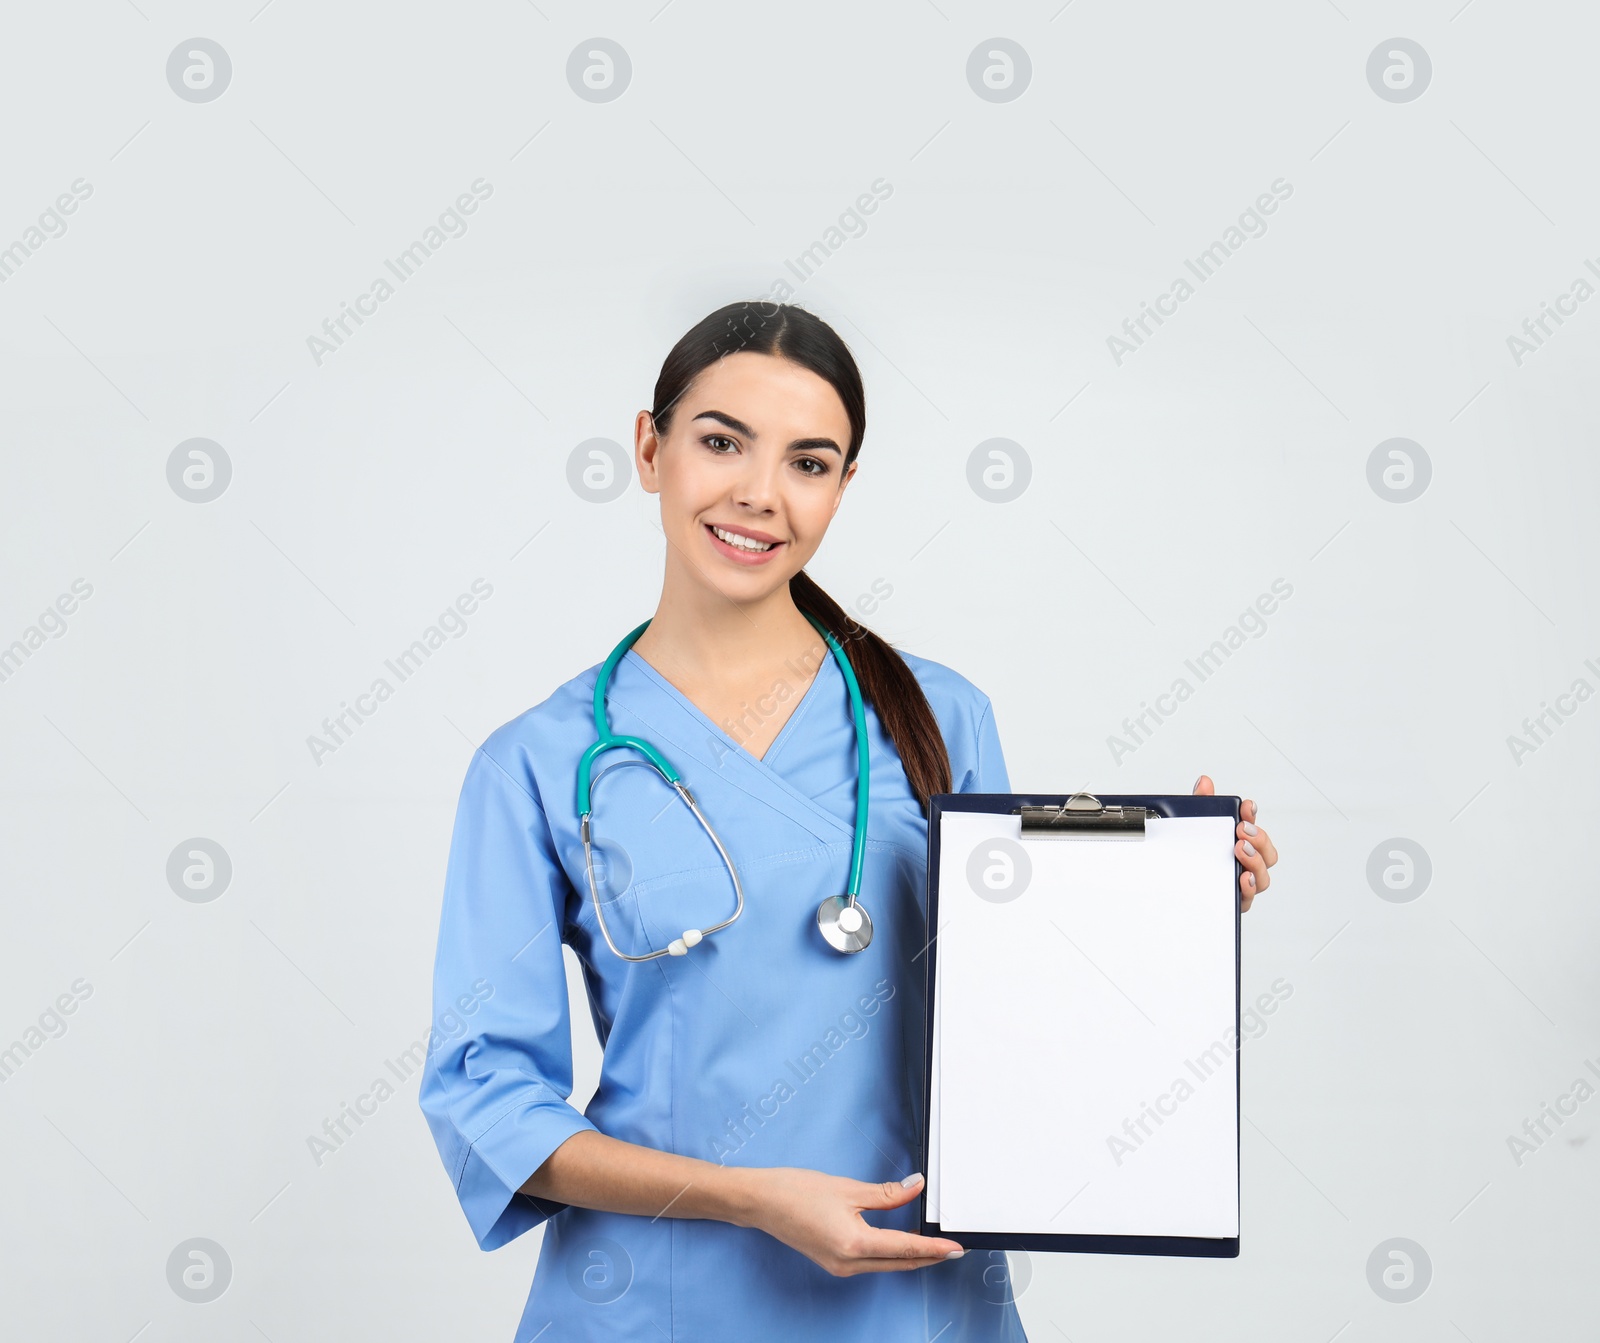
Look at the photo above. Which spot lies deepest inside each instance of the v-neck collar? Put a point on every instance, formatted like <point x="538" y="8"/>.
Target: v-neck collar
<point x="812" y="693"/>
<point x="807" y="698"/>
<point x="756" y="777"/>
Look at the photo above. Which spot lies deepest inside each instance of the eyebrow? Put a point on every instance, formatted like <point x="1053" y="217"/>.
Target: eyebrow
<point x="800" y="444"/>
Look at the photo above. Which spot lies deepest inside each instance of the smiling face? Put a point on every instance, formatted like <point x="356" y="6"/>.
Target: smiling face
<point x="750" y="473"/>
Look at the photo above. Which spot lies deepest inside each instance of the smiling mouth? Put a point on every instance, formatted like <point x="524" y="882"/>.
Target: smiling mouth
<point x="745" y="543"/>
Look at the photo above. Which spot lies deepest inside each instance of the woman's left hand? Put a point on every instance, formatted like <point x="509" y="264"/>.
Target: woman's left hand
<point x="1252" y="845"/>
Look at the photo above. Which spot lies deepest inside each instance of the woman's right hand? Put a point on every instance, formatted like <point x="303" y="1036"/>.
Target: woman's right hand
<point x="820" y="1216"/>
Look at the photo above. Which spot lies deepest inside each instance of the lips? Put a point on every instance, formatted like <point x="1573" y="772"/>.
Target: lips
<point x="745" y="546"/>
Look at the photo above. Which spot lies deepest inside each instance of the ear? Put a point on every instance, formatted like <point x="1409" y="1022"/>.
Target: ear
<point x="646" y="446"/>
<point x="849" y="475"/>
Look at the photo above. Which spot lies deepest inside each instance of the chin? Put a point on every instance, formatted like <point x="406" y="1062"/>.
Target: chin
<point x="752" y="587"/>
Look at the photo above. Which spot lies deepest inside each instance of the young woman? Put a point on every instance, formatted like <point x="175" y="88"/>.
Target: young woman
<point x="760" y="1091"/>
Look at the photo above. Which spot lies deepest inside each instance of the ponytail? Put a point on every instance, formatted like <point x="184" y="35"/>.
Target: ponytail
<point x="888" y="684"/>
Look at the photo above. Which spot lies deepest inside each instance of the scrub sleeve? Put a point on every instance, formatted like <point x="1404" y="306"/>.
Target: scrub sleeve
<point x="496" y="1097"/>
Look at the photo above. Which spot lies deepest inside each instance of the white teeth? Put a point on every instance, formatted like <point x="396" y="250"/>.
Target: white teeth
<point x="741" y="542"/>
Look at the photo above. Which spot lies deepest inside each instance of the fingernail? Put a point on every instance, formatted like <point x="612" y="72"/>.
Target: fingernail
<point x="1197" y="783"/>
<point x="1250" y="880"/>
<point x="911" y="1179"/>
<point x="1249" y="829"/>
<point x="955" y="1254"/>
<point x="1250" y="848"/>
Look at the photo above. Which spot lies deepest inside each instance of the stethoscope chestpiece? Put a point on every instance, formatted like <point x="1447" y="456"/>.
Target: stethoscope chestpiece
<point x="844" y="923"/>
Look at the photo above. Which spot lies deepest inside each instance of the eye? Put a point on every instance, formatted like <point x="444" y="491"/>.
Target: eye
<point x="811" y="466"/>
<point x="712" y="440"/>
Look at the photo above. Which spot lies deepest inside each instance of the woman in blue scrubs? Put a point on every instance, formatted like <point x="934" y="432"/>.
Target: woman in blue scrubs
<point x="747" y="1167"/>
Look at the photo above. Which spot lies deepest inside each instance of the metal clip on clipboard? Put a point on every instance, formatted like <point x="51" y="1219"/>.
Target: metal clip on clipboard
<point x="1084" y="816"/>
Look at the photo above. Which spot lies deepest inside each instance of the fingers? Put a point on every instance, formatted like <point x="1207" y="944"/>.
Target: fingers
<point x="891" y="1265"/>
<point x="1253" y="846"/>
<point x="1262" y="843"/>
<point x="1258" y="839"/>
<point x="1254" y="879"/>
<point x="899" y="1249"/>
<point x="872" y="1249"/>
<point x="1255" y="849"/>
<point x="889" y="1193"/>
<point x="880" y="1243"/>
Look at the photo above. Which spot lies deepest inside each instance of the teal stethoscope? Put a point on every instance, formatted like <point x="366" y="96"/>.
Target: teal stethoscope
<point x="841" y="918"/>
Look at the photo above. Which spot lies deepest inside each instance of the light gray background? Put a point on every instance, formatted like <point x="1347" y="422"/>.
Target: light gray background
<point x="1166" y="494"/>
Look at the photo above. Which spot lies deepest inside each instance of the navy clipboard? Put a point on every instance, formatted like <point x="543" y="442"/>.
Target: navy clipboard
<point x="1155" y="805"/>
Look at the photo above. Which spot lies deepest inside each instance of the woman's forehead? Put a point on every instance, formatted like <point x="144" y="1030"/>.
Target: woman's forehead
<point x="770" y="394"/>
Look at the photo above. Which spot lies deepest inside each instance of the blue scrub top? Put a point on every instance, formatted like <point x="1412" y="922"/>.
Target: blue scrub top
<point x="762" y="1047"/>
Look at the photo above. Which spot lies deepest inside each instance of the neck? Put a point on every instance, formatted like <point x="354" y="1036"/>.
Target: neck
<point x="699" y="633"/>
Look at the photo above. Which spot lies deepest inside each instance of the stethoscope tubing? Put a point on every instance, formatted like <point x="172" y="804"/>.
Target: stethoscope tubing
<point x="858" y="847"/>
<point x="594" y="894"/>
<point x="605" y="741"/>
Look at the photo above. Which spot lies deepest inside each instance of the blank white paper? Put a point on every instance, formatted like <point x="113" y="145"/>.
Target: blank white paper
<point x="1083" y="1054"/>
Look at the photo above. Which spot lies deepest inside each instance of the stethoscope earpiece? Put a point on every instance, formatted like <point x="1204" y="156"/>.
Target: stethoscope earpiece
<point x="679" y="946"/>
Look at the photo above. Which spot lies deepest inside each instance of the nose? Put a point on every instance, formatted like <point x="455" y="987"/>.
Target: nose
<point x="756" y="489"/>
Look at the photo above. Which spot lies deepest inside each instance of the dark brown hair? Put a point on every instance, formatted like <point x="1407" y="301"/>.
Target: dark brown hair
<point x="887" y="682"/>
